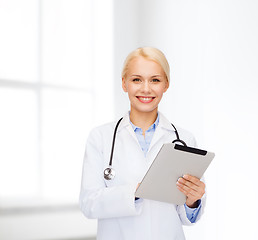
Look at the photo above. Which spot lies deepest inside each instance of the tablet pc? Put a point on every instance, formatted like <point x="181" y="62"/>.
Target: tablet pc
<point x="172" y="161"/>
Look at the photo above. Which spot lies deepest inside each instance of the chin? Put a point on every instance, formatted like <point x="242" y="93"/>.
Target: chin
<point x="146" y="110"/>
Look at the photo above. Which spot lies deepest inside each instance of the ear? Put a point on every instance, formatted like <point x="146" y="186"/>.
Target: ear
<point x="124" y="84"/>
<point x="166" y="87"/>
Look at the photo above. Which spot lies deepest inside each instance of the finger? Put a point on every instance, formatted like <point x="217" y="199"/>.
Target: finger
<point x="186" y="190"/>
<point x="194" y="180"/>
<point x="191" y="188"/>
<point x="199" y="188"/>
<point x="188" y="184"/>
<point x="181" y="190"/>
<point x="190" y="198"/>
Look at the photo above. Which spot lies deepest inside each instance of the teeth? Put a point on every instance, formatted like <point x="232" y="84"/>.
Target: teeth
<point x="145" y="98"/>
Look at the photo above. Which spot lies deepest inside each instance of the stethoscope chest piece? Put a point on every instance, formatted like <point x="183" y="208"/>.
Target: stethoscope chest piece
<point x="109" y="173"/>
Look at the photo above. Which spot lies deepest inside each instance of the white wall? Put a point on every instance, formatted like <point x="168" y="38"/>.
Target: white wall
<point x="126" y="38"/>
<point x="212" y="49"/>
<point x="54" y="49"/>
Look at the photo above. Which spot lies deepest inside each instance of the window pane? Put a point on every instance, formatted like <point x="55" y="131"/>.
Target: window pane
<point x="19" y="143"/>
<point x="66" y="118"/>
<point x="66" y="42"/>
<point x="19" y="26"/>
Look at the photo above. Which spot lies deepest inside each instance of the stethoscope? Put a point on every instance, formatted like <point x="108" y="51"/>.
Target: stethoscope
<point x="109" y="172"/>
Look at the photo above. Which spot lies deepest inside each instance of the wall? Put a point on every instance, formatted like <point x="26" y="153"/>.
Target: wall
<point x="58" y="46"/>
<point x="212" y="49"/>
<point x="126" y="38"/>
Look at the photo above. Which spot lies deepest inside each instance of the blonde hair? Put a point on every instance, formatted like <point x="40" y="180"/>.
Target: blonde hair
<point x="149" y="53"/>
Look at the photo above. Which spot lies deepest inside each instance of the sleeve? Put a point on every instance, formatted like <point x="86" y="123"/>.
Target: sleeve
<point x="96" y="199"/>
<point x="181" y="210"/>
<point x="192" y="213"/>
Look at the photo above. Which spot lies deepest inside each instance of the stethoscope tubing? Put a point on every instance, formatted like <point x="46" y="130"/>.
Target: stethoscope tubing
<point x="113" y="142"/>
<point x="109" y="173"/>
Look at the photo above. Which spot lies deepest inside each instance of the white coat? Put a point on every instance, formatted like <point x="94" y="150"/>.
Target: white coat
<point x="112" y="202"/>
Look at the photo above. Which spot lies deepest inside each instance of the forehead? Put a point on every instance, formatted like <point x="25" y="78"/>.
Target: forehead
<point x="143" y="66"/>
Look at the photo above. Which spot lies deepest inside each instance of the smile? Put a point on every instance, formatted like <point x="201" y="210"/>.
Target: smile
<point x="145" y="99"/>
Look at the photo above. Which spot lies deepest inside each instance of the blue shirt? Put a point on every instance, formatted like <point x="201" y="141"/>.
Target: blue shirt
<point x="144" y="142"/>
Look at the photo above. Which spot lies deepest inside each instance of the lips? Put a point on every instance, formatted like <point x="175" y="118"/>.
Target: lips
<point x="145" y="99"/>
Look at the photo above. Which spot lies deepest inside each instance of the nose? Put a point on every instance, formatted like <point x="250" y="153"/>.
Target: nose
<point x="146" y="88"/>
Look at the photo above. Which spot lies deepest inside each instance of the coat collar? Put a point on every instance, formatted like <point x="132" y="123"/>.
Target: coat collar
<point x="124" y="123"/>
<point x="163" y="127"/>
<point x="163" y="122"/>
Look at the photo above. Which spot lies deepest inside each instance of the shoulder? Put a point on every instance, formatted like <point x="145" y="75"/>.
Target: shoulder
<point x="100" y="136"/>
<point x="184" y="134"/>
<point x="102" y="130"/>
<point x="187" y="136"/>
<point x="107" y="129"/>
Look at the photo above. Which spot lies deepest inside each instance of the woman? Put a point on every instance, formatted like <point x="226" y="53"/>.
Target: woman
<point x="140" y="135"/>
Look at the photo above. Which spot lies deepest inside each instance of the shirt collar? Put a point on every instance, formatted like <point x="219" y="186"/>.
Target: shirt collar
<point x="163" y="122"/>
<point x="153" y="126"/>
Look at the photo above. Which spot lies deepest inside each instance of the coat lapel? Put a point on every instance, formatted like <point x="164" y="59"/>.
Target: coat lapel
<point x="163" y="128"/>
<point x="125" y="123"/>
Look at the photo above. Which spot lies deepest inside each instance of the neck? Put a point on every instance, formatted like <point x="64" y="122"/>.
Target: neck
<point x="143" y="119"/>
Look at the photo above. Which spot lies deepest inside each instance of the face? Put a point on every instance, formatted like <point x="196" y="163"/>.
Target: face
<point x="145" y="83"/>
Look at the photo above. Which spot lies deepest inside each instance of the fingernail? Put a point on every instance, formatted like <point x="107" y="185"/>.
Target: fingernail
<point x="186" y="176"/>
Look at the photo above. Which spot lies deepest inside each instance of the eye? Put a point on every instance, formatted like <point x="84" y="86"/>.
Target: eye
<point x="136" y="80"/>
<point x="155" y="80"/>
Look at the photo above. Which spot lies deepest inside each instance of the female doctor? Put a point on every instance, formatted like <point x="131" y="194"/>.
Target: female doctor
<point x="139" y="137"/>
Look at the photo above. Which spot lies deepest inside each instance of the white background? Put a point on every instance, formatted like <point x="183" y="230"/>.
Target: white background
<point x="213" y="54"/>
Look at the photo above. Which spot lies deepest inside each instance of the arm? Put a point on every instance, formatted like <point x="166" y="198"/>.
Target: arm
<point x="96" y="199"/>
<point x="194" y="189"/>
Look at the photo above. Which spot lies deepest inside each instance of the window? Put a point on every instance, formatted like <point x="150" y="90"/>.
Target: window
<point x="48" y="95"/>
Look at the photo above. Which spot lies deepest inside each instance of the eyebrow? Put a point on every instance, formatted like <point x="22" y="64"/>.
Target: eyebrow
<point x="135" y="75"/>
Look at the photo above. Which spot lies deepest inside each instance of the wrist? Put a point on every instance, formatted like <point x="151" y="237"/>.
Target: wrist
<point x="192" y="204"/>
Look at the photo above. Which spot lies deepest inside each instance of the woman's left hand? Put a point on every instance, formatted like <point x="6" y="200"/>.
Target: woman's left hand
<point x="192" y="187"/>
